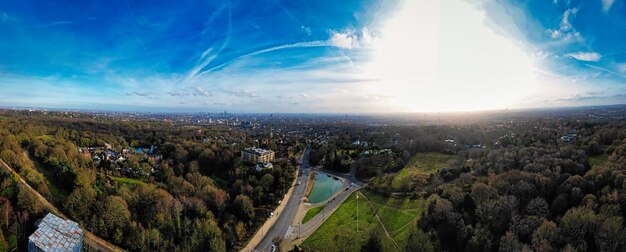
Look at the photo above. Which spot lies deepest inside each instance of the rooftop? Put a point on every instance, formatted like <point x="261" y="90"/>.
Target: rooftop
<point x="257" y="151"/>
<point x="56" y="234"/>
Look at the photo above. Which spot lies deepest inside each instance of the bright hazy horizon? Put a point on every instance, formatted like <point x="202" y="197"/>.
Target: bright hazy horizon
<point x="312" y="56"/>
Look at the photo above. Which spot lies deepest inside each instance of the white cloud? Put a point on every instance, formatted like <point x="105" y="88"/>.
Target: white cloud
<point x="199" y="91"/>
<point x="242" y="93"/>
<point x="306" y="30"/>
<point x="304" y="95"/>
<point x="346" y="39"/>
<point x="350" y="38"/>
<point x="585" y="56"/>
<point x="566" y="31"/>
<point x="606" y="5"/>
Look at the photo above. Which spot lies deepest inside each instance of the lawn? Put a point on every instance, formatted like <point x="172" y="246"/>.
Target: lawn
<point x="129" y="182"/>
<point x="339" y="233"/>
<point x="350" y="151"/>
<point x="312" y="213"/>
<point x="598" y="159"/>
<point x="415" y="173"/>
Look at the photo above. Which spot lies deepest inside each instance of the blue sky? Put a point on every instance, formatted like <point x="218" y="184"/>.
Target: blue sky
<point x="312" y="56"/>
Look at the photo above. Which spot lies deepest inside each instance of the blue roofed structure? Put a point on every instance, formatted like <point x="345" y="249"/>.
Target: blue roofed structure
<point x="56" y="234"/>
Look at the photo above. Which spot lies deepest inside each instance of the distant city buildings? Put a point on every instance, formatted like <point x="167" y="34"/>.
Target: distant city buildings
<point x="56" y="234"/>
<point x="257" y="155"/>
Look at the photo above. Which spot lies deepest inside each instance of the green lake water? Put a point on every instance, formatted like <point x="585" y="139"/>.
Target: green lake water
<point x="324" y="187"/>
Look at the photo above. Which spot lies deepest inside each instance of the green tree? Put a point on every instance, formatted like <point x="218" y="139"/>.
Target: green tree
<point x="374" y="243"/>
<point x="80" y="202"/>
<point x="4" y="246"/>
<point x="609" y="234"/>
<point x="114" y="213"/>
<point x="418" y="241"/>
<point x="245" y="206"/>
<point x="575" y="225"/>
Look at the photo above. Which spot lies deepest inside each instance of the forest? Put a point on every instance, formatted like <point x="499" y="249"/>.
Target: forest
<point x="533" y="190"/>
<point x="522" y="184"/>
<point x="199" y="198"/>
<point x="514" y="184"/>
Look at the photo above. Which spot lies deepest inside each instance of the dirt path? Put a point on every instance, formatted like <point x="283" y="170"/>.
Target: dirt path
<point x="380" y="221"/>
<point x="90" y="239"/>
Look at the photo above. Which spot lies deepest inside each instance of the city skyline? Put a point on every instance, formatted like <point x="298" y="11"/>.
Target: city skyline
<point x="298" y="56"/>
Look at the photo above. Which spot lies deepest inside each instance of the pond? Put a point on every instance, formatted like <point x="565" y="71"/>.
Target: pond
<point x="324" y="187"/>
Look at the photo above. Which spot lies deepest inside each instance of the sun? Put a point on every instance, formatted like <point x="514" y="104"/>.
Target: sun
<point x="433" y="56"/>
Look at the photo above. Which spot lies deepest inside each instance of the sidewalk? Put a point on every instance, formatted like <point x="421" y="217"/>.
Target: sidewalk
<point x="258" y="236"/>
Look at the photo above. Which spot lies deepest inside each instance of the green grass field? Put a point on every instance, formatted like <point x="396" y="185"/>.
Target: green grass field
<point x="129" y="182"/>
<point x="312" y="213"/>
<point x="416" y="172"/>
<point x="598" y="159"/>
<point x="339" y="233"/>
<point x="350" y="151"/>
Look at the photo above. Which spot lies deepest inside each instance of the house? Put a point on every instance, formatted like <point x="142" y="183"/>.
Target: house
<point x="263" y="166"/>
<point x="56" y="234"/>
<point x="569" y="137"/>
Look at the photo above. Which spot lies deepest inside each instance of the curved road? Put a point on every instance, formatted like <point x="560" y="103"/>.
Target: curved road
<point x="283" y="224"/>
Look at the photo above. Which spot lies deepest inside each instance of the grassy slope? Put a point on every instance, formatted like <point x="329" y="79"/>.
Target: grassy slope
<point x="598" y="159"/>
<point x="312" y="213"/>
<point x="417" y="169"/>
<point x="130" y="182"/>
<point x="338" y="233"/>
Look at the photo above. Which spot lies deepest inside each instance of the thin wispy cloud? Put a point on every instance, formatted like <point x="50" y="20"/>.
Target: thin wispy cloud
<point x="585" y="56"/>
<point x="317" y="43"/>
<point x="242" y="93"/>
<point x="210" y="54"/>
<point x="368" y="57"/>
<point x="57" y="23"/>
<point x="606" y="5"/>
<point x="199" y="91"/>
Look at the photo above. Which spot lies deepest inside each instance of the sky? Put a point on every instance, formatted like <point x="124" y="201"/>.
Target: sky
<point x="312" y="56"/>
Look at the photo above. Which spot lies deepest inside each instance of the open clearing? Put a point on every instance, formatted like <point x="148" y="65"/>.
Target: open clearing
<point x="339" y="232"/>
<point x="414" y="174"/>
<point x="312" y="213"/>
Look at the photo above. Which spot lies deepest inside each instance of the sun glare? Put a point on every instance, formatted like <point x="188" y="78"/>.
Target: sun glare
<point x="422" y="66"/>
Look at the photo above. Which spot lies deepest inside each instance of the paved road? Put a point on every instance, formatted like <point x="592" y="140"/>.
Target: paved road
<point x="350" y="185"/>
<point x="283" y="224"/>
<point x="90" y="239"/>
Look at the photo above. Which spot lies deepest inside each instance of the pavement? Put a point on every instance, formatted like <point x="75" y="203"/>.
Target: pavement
<point x="281" y="226"/>
<point x="286" y="229"/>
<point x="303" y="231"/>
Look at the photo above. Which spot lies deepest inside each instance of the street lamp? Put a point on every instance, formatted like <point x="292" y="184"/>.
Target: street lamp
<point x="357" y="213"/>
